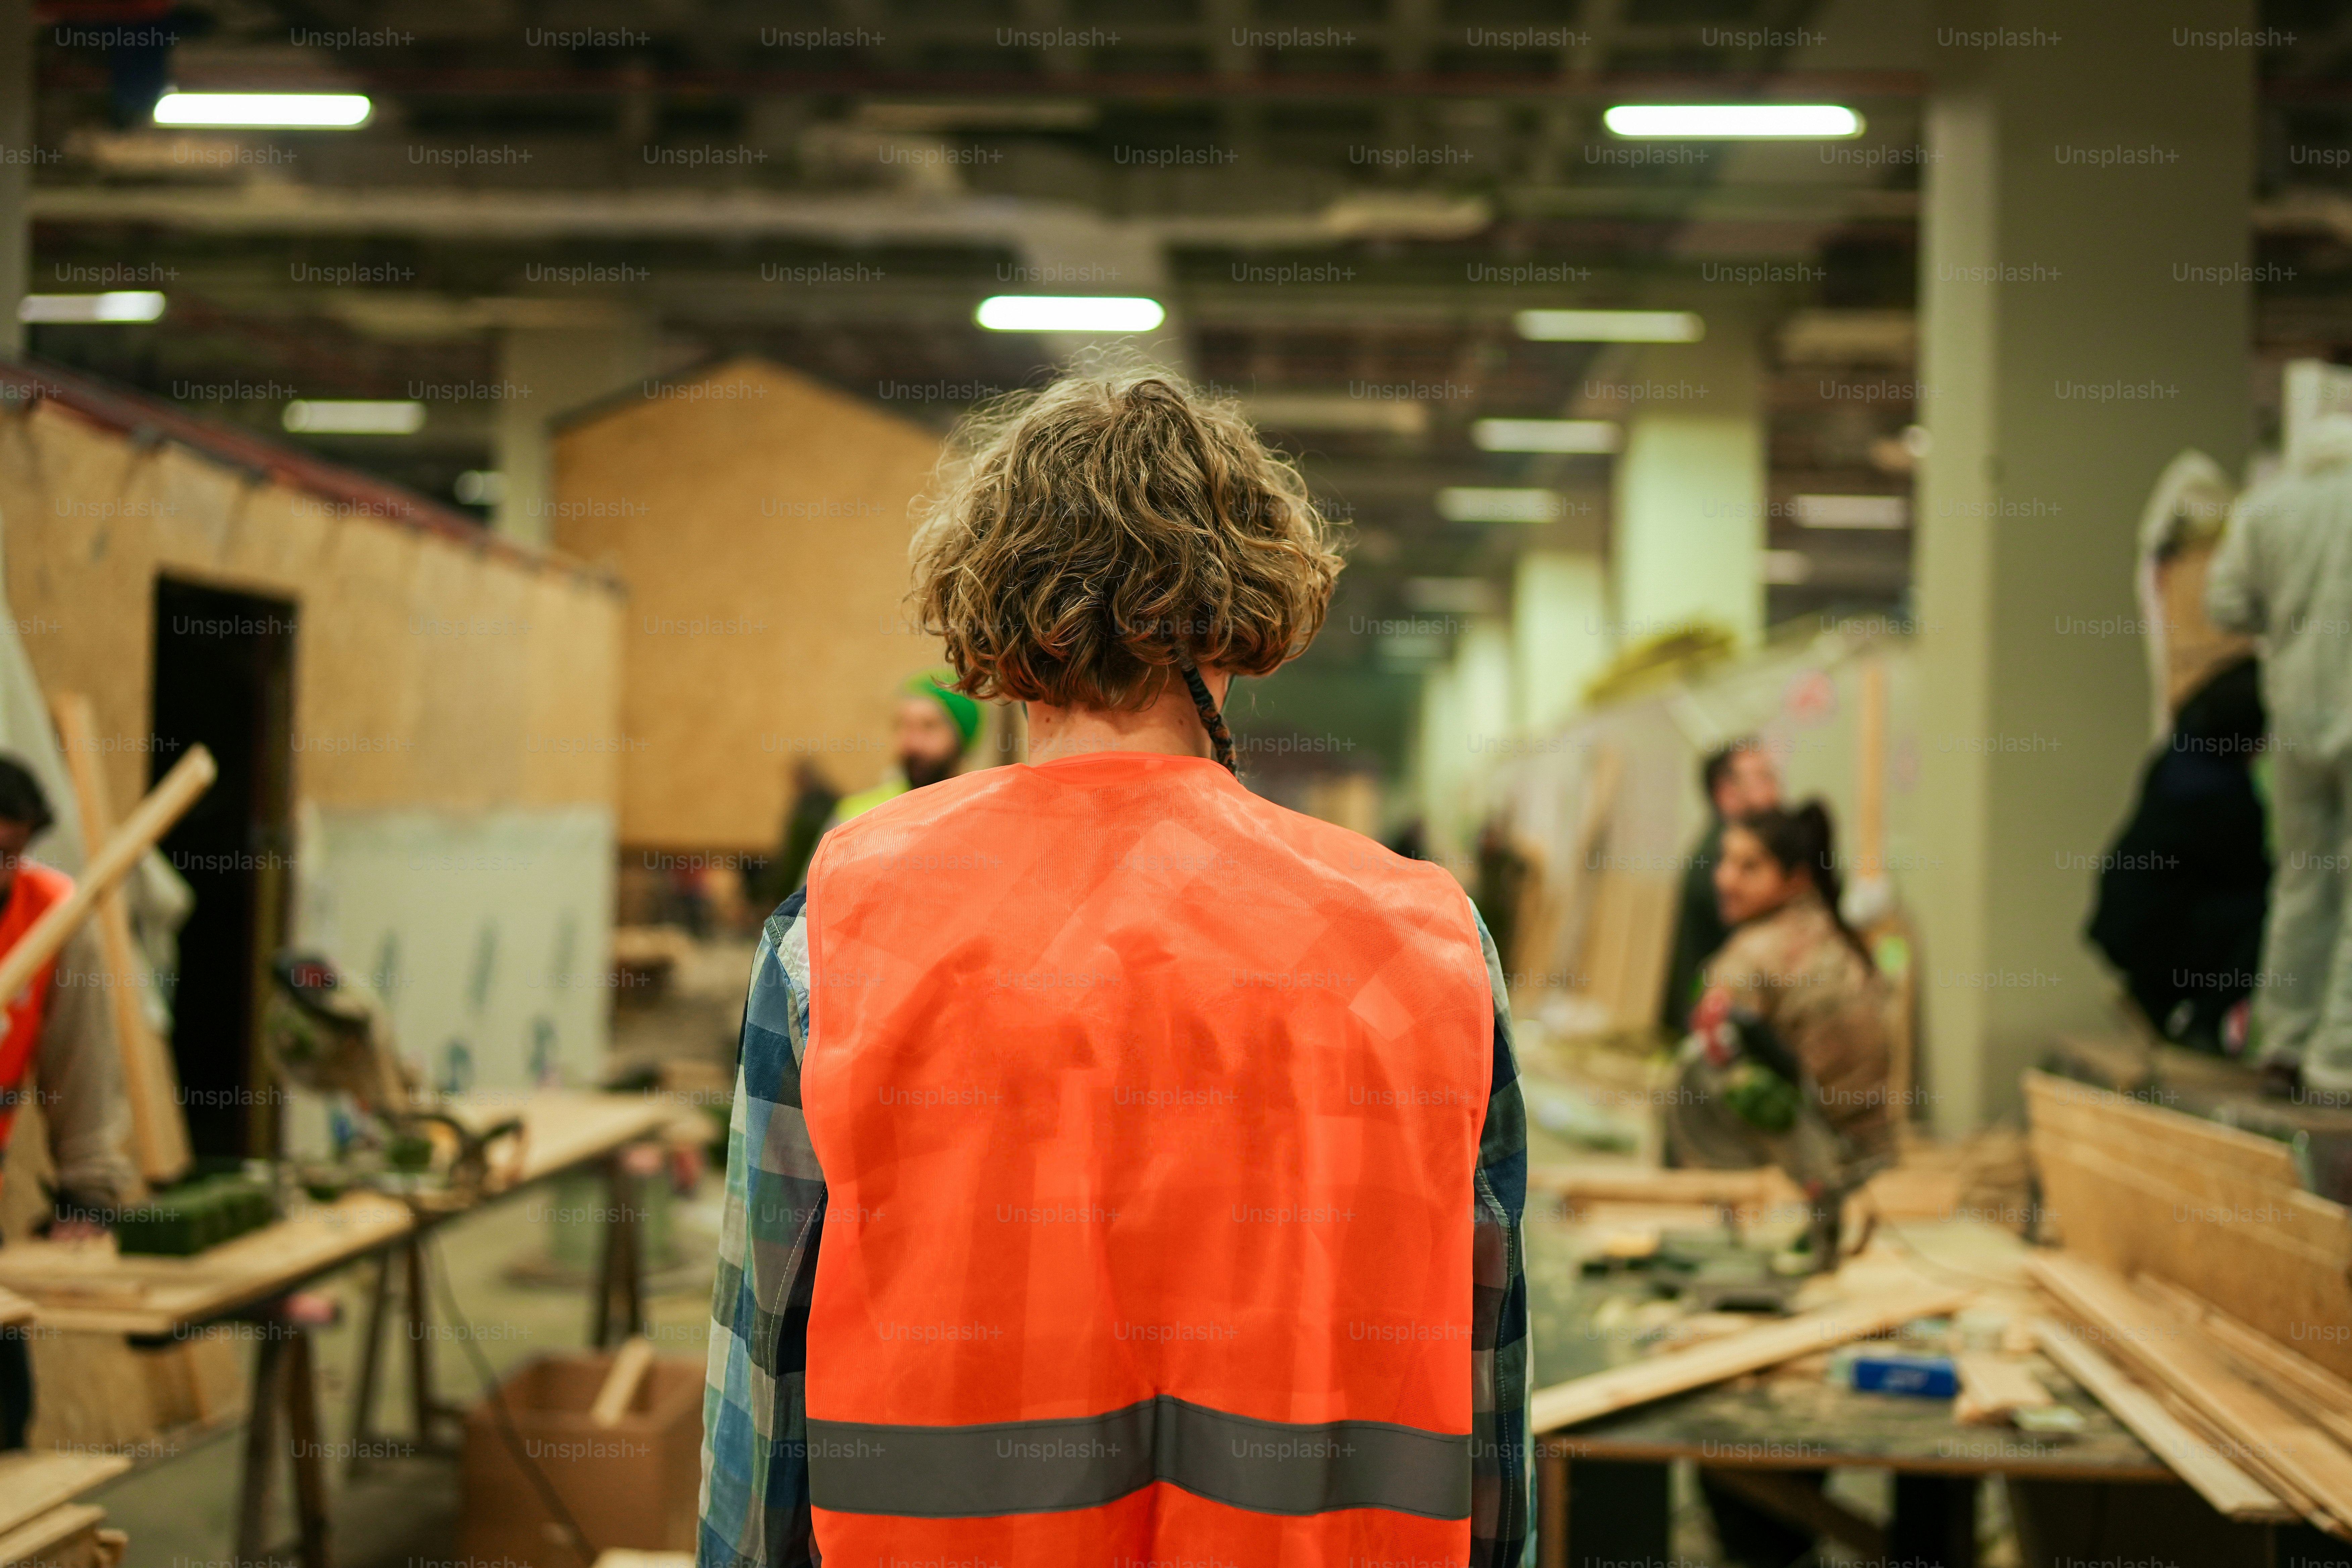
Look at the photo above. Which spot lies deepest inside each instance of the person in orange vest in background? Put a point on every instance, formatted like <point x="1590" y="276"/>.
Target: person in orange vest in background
<point x="58" y="1028"/>
<point x="1123" y="1168"/>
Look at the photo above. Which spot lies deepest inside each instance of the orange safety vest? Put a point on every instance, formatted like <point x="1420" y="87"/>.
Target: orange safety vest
<point x="1149" y="1113"/>
<point x="35" y="889"/>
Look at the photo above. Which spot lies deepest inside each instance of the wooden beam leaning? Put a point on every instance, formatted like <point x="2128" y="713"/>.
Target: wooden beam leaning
<point x="2234" y="1494"/>
<point x="2271" y="1438"/>
<point x="1678" y="1371"/>
<point x="148" y="821"/>
<point x="159" y="1129"/>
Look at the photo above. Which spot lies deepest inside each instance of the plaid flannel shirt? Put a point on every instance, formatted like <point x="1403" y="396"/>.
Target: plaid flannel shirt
<point x="755" y="1496"/>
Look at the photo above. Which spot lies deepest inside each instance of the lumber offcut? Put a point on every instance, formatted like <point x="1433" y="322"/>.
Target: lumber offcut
<point x="159" y="1127"/>
<point x="31" y="1482"/>
<point x="2285" y="1450"/>
<point x="1678" y="1371"/>
<point x="149" y="821"/>
<point x="1992" y="1386"/>
<point x="2234" y="1494"/>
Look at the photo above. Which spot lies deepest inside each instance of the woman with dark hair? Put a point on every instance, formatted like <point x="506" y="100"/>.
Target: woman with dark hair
<point x="1794" y="1000"/>
<point x="1794" y="966"/>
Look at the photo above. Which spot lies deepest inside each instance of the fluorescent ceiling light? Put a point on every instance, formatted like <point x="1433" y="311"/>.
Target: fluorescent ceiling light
<point x="1730" y="121"/>
<point x="1787" y="567"/>
<point x="1068" y="313"/>
<point x="260" y="111"/>
<point x="1610" y="326"/>
<point x="1853" y="511"/>
<point x="264" y="111"/>
<point x="125" y="305"/>
<point x="1545" y="435"/>
<point x="1337" y="411"/>
<point x="355" y="418"/>
<point x="1461" y="503"/>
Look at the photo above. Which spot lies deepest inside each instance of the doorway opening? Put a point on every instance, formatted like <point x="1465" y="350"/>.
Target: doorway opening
<point x="223" y="679"/>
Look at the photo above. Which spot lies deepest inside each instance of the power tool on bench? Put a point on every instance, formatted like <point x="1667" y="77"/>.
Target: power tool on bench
<point x="329" y="1033"/>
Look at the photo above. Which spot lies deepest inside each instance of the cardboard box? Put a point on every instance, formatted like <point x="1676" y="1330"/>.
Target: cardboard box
<point x="631" y="1484"/>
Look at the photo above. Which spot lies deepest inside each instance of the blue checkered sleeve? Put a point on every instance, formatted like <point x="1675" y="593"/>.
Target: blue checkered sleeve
<point x="755" y="1501"/>
<point x="1502" y="1463"/>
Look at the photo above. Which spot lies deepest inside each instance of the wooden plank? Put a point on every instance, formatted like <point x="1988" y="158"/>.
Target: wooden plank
<point x="32" y="1482"/>
<point x="1584" y="1398"/>
<point x="159" y="1128"/>
<point x="1992" y="1385"/>
<point x="13" y="1309"/>
<point x="620" y="1385"/>
<point x="565" y="1127"/>
<point x="2323" y="1398"/>
<point x="2284" y="1443"/>
<point x="2111" y="1117"/>
<point x="2234" y="1494"/>
<point x="39" y="1540"/>
<point x="85" y="1287"/>
<point x="1622" y="1184"/>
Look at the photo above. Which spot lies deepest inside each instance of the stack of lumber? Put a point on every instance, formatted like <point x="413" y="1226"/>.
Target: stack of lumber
<point x="39" y="1520"/>
<point x="2143" y="1189"/>
<point x="2255" y="1429"/>
<point x="2195" y="1263"/>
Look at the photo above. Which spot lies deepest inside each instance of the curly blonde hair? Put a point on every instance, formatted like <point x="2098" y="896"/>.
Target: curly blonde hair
<point x="1085" y="536"/>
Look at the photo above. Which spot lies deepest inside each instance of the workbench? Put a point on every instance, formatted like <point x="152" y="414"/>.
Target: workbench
<point x="80" y="1287"/>
<point x="1602" y="1487"/>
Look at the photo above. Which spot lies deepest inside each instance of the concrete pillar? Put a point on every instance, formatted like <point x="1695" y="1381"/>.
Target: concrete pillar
<point x="1688" y="535"/>
<point x="1465" y="715"/>
<point x="545" y="373"/>
<point x="16" y="154"/>
<point x="2065" y="361"/>
<point x="1559" y="634"/>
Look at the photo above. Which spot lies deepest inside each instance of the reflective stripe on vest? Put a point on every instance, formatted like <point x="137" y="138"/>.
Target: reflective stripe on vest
<point x="30" y="894"/>
<point x="1149" y="1113"/>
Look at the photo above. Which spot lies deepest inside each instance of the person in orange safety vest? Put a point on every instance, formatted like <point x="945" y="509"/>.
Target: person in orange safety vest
<point x="1123" y="1169"/>
<point x="57" y="1050"/>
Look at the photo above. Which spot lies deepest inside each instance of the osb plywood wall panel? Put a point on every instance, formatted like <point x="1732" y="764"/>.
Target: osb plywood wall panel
<point x="426" y="673"/>
<point x="761" y="522"/>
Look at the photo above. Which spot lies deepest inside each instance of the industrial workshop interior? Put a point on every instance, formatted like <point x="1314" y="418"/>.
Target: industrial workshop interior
<point x="1175" y="783"/>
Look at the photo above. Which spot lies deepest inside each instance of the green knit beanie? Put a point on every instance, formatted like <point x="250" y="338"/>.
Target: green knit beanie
<point x="939" y="686"/>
